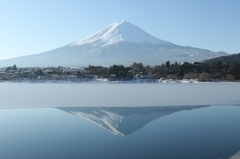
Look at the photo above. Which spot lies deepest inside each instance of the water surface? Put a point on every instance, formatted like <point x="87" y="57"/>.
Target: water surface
<point x="199" y="132"/>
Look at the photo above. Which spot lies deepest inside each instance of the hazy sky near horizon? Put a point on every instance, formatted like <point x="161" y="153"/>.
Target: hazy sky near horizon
<point x="30" y="27"/>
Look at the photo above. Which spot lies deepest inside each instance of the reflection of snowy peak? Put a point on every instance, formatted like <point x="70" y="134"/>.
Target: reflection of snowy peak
<point x="115" y="123"/>
<point x="235" y="156"/>
<point x="125" y="120"/>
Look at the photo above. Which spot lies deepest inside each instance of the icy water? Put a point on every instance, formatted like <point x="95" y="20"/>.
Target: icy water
<point x="176" y="132"/>
<point x="17" y="95"/>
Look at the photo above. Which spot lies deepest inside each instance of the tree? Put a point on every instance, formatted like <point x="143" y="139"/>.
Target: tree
<point x="230" y="77"/>
<point x="204" y="77"/>
<point x="168" y="64"/>
<point x="119" y="70"/>
<point x="14" y="67"/>
<point x="138" y="67"/>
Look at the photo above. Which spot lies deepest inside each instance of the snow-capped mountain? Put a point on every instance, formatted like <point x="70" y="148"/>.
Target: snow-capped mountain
<point x="119" y="43"/>
<point x="121" y="31"/>
<point x="124" y="120"/>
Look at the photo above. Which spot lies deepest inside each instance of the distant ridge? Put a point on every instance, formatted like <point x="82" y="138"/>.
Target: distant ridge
<point x="119" y="43"/>
<point x="225" y="59"/>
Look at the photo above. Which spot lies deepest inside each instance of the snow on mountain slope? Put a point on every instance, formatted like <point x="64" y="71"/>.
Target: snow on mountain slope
<point x="121" y="31"/>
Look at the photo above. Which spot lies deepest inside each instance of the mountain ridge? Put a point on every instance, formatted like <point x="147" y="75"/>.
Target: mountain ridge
<point x="224" y="59"/>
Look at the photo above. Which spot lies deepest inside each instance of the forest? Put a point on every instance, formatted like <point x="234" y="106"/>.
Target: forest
<point x="176" y="71"/>
<point x="216" y="71"/>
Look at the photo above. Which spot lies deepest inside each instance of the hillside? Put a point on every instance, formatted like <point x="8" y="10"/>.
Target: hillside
<point x="225" y="59"/>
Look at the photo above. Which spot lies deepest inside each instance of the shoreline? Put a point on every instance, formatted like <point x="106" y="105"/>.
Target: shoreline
<point x="104" y="80"/>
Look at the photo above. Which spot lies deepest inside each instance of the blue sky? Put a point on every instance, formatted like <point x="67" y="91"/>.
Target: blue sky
<point x="29" y="27"/>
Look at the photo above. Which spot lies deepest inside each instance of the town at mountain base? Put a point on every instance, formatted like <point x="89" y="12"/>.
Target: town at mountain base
<point x="120" y="43"/>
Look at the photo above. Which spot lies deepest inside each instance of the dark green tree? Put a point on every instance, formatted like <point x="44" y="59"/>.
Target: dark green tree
<point x="168" y="64"/>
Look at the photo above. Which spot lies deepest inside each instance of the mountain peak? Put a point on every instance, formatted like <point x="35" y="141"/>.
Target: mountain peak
<point x="121" y="31"/>
<point x="119" y="22"/>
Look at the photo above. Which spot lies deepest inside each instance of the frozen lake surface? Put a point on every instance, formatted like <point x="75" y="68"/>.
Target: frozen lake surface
<point x="14" y="95"/>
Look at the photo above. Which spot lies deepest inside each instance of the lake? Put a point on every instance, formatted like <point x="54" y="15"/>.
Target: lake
<point x="199" y="132"/>
<point x="115" y="121"/>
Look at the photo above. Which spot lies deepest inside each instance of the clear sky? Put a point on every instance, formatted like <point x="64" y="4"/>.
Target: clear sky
<point x="34" y="26"/>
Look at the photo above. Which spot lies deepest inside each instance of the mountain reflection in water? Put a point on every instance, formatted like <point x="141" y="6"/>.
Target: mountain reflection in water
<point x="205" y="132"/>
<point x="124" y="120"/>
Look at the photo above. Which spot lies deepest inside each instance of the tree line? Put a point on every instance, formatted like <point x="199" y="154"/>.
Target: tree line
<point x="216" y="71"/>
<point x="177" y="71"/>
